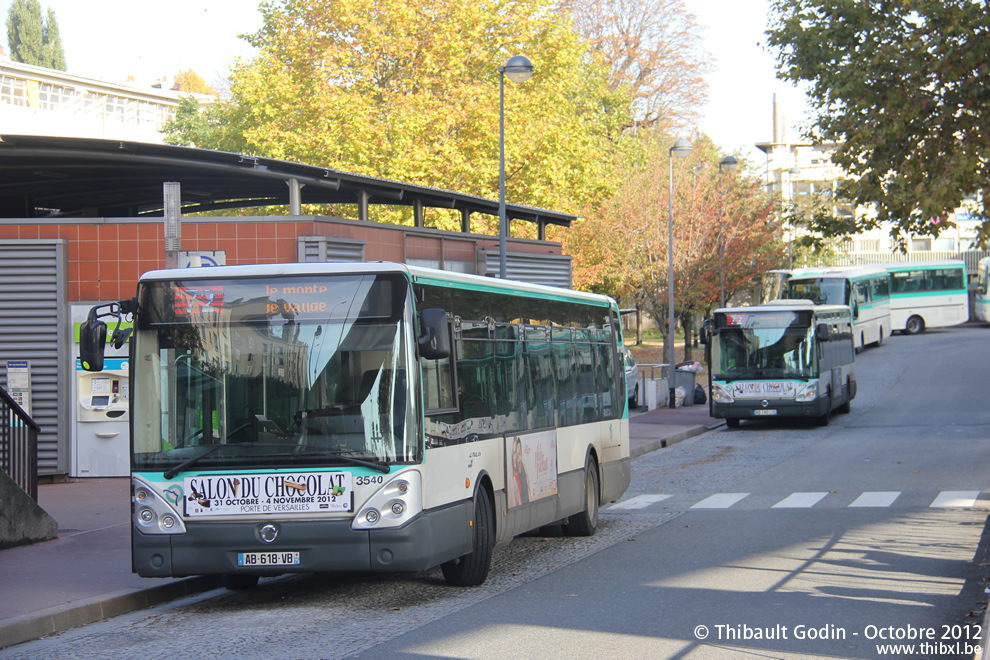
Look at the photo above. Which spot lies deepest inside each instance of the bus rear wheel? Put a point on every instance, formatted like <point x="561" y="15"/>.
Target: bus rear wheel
<point x="472" y="569"/>
<point x="915" y="324"/>
<point x="586" y="522"/>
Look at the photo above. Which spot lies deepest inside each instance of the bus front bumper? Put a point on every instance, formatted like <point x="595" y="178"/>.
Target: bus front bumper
<point x="770" y="409"/>
<point x="323" y="546"/>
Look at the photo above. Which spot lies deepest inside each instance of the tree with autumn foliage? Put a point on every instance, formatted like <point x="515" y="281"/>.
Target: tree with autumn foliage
<point x="723" y="224"/>
<point x="654" y="49"/>
<point x="411" y="92"/>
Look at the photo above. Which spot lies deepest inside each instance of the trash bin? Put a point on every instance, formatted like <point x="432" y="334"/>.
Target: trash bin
<point x="685" y="380"/>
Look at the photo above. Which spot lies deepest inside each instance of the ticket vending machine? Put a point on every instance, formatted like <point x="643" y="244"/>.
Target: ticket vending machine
<point x="101" y="442"/>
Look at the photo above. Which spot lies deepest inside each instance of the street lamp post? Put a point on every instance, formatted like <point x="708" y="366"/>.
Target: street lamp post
<point x="794" y="171"/>
<point x="728" y="164"/>
<point x="681" y="149"/>
<point x="518" y="69"/>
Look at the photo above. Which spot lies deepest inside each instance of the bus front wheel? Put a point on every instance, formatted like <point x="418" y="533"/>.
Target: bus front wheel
<point x="240" y="581"/>
<point x="472" y="569"/>
<point x="824" y="419"/>
<point x="915" y="324"/>
<point x="586" y="522"/>
<point x="732" y="423"/>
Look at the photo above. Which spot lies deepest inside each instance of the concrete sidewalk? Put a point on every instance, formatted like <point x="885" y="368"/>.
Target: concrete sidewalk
<point x="84" y="575"/>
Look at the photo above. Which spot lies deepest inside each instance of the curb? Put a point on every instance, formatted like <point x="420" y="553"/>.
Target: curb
<point x="672" y="440"/>
<point x="18" y="630"/>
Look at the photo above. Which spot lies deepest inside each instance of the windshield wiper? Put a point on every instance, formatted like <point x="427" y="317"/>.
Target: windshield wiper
<point x="374" y="465"/>
<point x="172" y="471"/>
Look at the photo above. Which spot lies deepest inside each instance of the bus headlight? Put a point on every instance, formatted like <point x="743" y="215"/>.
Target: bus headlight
<point x="394" y="504"/>
<point x="722" y="393"/>
<point x="807" y="392"/>
<point x="152" y="514"/>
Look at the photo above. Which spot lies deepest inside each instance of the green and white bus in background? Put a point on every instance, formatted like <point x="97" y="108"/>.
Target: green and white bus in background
<point x="788" y="359"/>
<point x="362" y="417"/>
<point x="981" y="302"/>
<point x="927" y="294"/>
<point x="866" y="291"/>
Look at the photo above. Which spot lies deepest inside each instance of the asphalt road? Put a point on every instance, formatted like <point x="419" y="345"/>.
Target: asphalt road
<point x="771" y="540"/>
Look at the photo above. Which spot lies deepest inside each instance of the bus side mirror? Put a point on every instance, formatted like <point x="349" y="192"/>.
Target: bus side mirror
<point x="704" y="335"/>
<point x="821" y="332"/>
<point x="434" y="343"/>
<point x="92" y="342"/>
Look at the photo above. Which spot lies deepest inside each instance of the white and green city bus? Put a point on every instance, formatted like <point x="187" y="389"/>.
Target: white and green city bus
<point x="981" y="302"/>
<point x="362" y="417"/>
<point x="865" y="290"/>
<point x="782" y="359"/>
<point x="927" y="294"/>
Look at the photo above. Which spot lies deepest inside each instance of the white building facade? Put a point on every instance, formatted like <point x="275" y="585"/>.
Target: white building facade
<point x="38" y="101"/>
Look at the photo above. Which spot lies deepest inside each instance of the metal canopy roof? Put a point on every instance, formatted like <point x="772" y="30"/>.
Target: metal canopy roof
<point x="79" y="177"/>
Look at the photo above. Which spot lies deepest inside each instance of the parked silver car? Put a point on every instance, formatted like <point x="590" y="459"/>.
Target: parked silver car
<point x="632" y="379"/>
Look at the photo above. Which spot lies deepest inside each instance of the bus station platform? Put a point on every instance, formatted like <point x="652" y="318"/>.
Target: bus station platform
<point x="84" y="575"/>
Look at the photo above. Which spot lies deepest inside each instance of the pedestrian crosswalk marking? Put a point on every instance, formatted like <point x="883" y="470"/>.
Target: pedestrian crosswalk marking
<point x="955" y="499"/>
<point x="639" y="502"/>
<point x="719" y="501"/>
<point x="880" y="499"/>
<point x="799" y="501"/>
<point x="946" y="499"/>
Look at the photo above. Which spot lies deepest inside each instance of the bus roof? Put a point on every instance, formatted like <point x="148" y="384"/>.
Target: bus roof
<point x="844" y="272"/>
<point x="415" y="273"/>
<point x="787" y="306"/>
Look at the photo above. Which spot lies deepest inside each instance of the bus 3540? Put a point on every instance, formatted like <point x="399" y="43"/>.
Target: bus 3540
<point x="780" y="360"/>
<point x="362" y="417"/>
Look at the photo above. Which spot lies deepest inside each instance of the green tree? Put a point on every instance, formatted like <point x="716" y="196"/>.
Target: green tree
<point x="31" y="39"/>
<point x="902" y="87"/>
<point x="410" y="91"/>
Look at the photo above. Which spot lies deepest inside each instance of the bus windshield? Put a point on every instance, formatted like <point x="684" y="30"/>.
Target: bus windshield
<point x="254" y="373"/>
<point x="760" y="345"/>
<point x="820" y="290"/>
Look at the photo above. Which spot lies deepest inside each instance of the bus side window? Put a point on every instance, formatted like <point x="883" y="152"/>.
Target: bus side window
<point x="439" y="385"/>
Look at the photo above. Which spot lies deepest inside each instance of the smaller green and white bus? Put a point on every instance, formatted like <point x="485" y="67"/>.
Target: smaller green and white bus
<point x="981" y="303"/>
<point x="785" y="359"/>
<point x="866" y="291"/>
<point x="931" y="294"/>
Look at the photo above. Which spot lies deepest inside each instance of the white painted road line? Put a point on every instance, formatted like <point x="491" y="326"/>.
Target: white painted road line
<point x="799" y="501"/>
<point x="639" y="502"/>
<point x="956" y="499"/>
<point x="881" y="498"/>
<point x="720" y="501"/>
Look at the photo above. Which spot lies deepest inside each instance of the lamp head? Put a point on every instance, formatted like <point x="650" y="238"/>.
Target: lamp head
<point x="518" y="69"/>
<point x="728" y="163"/>
<point x="681" y="148"/>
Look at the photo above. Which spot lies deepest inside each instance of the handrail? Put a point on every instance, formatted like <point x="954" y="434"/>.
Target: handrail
<point x="18" y="444"/>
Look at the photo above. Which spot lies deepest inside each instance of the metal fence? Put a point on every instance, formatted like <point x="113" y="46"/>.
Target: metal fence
<point x="18" y="445"/>
<point x="971" y="257"/>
